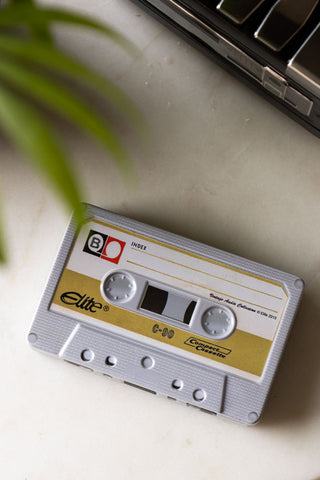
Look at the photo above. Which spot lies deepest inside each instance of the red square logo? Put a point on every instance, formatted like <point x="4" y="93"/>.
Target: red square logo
<point x="113" y="250"/>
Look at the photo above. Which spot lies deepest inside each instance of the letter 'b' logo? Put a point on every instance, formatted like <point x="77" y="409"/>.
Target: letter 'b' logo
<point x="104" y="246"/>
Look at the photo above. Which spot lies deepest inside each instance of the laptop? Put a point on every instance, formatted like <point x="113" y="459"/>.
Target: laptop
<point x="274" y="46"/>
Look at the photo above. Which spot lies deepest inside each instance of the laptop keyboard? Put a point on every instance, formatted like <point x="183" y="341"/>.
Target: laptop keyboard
<point x="284" y="21"/>
<point x="275" y="44"/>
<point x="287" y="29"/>
<point x="274" y="23"/>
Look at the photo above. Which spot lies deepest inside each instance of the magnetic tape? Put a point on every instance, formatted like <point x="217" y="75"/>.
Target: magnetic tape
<point x="167" y="314"/>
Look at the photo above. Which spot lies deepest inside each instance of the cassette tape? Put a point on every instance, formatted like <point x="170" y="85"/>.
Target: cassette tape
<point x="167" y="314"/>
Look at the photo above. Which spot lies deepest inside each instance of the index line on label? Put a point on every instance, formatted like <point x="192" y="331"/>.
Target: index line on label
<point x="198" y="285"/>
<point x="205" y="273"/>
<point x="186" y="252"/>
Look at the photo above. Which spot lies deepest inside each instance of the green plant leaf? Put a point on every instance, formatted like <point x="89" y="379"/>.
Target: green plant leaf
<point x="40" y="31"/>
<point x="35" y="16"/>
<point x="28" y="130"/>
<point x="56" y="61"/>
<point x="68" y="105"/>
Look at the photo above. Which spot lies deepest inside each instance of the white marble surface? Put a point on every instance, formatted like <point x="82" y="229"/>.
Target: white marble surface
<point x="220" y="166"/>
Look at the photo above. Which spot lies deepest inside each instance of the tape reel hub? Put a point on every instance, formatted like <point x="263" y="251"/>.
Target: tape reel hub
<point x="119" y="287"/>
<point x="219" y="322"/>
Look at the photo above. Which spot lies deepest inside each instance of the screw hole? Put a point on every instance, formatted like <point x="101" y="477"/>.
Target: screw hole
<point x="111" y="361"/>
<point x="299" y="284"/>
<point x="177" y="384"/>
<point x="87" y="355"/>
<point x="147" y="362"/>
<point x="253" y="417"/>
<point x="32" y="337"/>
<point x="199" y="395"/>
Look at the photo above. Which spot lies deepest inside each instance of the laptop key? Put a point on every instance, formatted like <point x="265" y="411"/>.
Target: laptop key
<point x="304" y="67"/>
<point x="283" y="21"/>
<point x="238" y="10"/>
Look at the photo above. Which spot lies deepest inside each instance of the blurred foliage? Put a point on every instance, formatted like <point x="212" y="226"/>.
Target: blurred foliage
<point x="34" y="72"/>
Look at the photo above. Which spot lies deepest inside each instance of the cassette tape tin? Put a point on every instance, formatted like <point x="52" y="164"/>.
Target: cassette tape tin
<point x="167" y="314"/>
